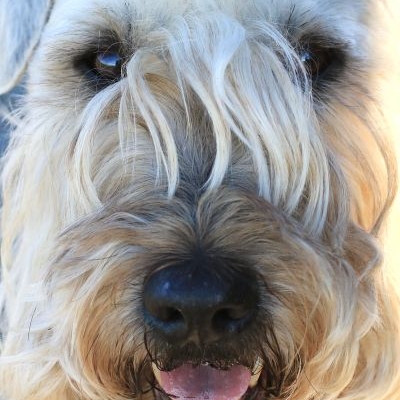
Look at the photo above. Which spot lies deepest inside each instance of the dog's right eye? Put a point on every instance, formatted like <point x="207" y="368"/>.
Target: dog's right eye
<point x="103" y="66"/>
<point x="107" y="65"/>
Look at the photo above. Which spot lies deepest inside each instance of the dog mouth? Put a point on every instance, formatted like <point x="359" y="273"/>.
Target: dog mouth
<point x="206" y="381"/>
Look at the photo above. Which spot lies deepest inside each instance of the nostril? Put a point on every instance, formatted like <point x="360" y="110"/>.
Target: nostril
<point x="231" y="319"/>
<point x="169" y="314"/>
<point x="166" y="320"/>
<point x="233" y="314"/>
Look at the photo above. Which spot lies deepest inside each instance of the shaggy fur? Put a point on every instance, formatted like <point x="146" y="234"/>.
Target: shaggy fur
<point x="219" y="135"/>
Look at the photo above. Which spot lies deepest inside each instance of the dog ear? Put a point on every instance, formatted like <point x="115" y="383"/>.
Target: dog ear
<point x="21" y="23"/>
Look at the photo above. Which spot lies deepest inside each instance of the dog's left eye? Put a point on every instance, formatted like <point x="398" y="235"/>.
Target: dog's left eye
<point x="317" y="60"/>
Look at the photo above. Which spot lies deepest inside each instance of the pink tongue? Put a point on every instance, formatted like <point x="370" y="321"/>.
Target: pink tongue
<point x="204" y="382"/>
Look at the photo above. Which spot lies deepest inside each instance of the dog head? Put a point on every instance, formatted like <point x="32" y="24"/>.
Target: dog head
<point x="191" y="199"/>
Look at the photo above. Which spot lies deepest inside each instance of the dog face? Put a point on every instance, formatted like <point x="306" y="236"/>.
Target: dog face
<point x="191" y="199"/>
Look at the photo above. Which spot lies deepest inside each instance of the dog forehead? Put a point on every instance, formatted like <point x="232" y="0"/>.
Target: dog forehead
<point x="272" y="10"/>
<point x="75" y="25"/>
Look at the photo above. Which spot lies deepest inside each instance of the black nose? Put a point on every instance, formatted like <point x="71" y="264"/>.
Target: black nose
<point x="199" y="303"/>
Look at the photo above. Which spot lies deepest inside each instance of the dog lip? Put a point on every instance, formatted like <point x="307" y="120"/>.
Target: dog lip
<point x="189" y="381"/>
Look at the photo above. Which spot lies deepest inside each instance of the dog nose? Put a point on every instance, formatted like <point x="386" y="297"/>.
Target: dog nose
<point x="201" y="304"/>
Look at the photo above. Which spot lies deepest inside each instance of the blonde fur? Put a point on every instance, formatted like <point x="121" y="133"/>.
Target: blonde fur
<point x="214" y="103"/>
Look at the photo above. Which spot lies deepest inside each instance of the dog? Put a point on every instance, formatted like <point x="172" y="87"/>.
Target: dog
<point x="195" y="201"/>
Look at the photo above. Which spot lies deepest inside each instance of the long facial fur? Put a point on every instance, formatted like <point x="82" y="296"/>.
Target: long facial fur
<point x="221" y="143"/>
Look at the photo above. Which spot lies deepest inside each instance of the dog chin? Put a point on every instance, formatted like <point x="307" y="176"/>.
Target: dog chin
<point x="204" y="381"/>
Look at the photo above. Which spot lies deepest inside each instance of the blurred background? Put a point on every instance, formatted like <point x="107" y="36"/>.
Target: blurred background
<point x="7" y="102"/>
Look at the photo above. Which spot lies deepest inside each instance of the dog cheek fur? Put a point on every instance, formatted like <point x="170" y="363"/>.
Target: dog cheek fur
<point x="98" y="278"/>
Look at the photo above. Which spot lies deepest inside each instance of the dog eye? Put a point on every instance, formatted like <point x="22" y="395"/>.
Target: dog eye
<point x="107" y="65"/>
<point x="317" y="60"/>
<point x="102" y="66"/>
